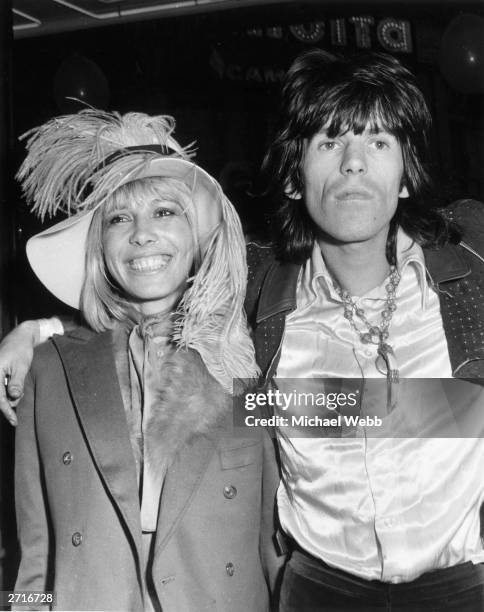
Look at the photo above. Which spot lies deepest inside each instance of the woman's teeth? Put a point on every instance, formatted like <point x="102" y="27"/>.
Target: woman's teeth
<point x="149" y="264"/>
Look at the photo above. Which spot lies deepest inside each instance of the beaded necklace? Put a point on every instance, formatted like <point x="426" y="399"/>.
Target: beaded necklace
<point x="377" y="334"/>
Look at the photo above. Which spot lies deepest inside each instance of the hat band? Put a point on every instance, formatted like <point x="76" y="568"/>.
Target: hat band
<point x="164" y="150"/>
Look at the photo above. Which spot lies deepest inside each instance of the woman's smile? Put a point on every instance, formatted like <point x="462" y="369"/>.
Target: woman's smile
<point x="149" y="263"/>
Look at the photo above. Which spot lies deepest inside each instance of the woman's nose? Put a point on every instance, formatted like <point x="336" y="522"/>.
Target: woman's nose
<point x="354" y="159"/>
<point x="143" y="233"/>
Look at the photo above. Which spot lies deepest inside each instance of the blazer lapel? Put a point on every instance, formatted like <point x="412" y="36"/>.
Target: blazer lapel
<point x="182" y="480"/>
<point x="91" y="374"/>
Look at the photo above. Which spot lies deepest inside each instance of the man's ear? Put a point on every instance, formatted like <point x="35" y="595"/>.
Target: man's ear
<point x="404" y="192"/>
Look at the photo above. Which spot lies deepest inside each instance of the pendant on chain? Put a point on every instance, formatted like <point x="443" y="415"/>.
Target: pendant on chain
<point x="386" y="362"/>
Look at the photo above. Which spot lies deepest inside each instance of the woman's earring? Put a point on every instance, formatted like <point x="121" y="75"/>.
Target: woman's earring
<point x="291" y="192"/>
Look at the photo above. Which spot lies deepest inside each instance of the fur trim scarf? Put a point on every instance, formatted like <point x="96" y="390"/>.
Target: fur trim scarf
<point x="187" y="402"/>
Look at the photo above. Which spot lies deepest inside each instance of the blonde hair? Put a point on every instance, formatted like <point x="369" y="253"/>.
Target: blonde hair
<point x="102" y="302"/>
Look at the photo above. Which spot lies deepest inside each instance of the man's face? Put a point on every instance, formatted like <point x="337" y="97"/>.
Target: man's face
<point x="352" y="184"/>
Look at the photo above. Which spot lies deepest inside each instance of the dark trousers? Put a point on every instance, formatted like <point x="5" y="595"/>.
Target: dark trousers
<point x="309" y="585"/>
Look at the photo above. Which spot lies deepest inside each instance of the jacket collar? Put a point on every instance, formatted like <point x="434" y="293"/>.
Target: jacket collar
<point x="446" y="264"/>
<point x="278" y="293"/>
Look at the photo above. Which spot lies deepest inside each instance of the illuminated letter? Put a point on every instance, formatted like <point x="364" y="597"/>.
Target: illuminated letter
<point x="308" y="33"/>
<point x="362" y="31"/>
<point x="338" y="32"/>
<point x="394" y="35"/>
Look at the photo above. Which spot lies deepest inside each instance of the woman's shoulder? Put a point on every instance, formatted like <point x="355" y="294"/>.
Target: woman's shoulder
<point x="47" y="355"/>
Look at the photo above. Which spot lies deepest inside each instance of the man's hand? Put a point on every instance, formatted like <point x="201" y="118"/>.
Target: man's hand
<point x="16" y="353"/>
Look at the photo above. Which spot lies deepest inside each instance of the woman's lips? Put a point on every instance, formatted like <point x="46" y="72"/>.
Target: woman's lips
<point x="151" y="263"/>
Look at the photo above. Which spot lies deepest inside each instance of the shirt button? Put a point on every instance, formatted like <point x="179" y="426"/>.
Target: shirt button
<point x="368" y="353"/>
<point x="230" y="492"/>
<point x="77" y="538"/>
<point x="230" y="569"/>
<point x="67" y="458"/>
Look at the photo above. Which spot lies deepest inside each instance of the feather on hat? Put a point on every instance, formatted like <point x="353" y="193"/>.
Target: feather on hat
<point x="76" y="162"/>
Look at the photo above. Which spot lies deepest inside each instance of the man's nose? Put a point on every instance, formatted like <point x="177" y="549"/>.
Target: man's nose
<point x="143" y="233"/>
<point x="354" y="159"/>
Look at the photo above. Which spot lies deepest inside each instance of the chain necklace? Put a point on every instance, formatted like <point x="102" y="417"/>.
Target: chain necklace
<point x="377" y="334"/>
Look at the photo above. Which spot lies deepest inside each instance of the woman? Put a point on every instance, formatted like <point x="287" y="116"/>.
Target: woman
<point x="131" y="492"/>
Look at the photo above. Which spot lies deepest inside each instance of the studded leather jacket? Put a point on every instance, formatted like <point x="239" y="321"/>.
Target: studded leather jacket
<point x="456" y="271"/>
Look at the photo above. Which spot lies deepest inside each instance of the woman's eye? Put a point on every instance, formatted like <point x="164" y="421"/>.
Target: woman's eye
<point x="163" y="211"/>
<point x="115" y="219"/>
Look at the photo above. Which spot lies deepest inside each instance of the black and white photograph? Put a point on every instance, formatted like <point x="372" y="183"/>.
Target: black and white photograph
<point x="242" y="305"/>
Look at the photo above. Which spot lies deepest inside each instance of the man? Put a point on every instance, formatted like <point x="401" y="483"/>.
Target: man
<point x="348" y="292"/>
<point x="366" y="280"/>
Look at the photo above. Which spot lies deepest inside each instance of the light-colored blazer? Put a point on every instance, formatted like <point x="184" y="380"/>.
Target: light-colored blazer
<point x="77" y="499"/>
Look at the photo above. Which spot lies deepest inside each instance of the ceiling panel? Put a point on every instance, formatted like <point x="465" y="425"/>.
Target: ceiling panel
<point x="39" y="17"/>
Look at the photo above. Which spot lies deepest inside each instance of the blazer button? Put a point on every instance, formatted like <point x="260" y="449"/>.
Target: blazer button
<point x="67" y="458"/>
<point x="77" y="538"/>
<point x="230" y="492"/>
<point x="230" y="569"/>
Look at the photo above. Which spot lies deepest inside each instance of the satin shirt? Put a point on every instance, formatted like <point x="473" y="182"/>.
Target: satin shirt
<point x="384" y="508"/>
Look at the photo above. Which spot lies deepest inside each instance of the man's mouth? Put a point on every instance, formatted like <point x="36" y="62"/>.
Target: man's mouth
<point x="151" y="263"/>
<point x="346" y="195"/>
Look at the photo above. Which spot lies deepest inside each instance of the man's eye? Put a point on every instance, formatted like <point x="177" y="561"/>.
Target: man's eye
<point x="328" y="145"/>
<point x="380" y="144"/>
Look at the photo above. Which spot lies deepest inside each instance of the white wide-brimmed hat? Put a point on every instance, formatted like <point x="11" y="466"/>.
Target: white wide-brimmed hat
<point x="75" y="163"/>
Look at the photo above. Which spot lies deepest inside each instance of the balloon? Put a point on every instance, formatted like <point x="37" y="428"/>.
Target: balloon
<point x="79" y="77"/>
<point x="462" y="54"/>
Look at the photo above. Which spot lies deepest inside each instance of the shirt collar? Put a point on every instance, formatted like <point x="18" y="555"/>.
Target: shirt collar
<point x="314" y="272"/>
<point x="411" y="253"/>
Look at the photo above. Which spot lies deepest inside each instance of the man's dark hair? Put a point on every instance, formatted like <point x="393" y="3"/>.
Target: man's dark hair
<point x="350" y="94"/>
